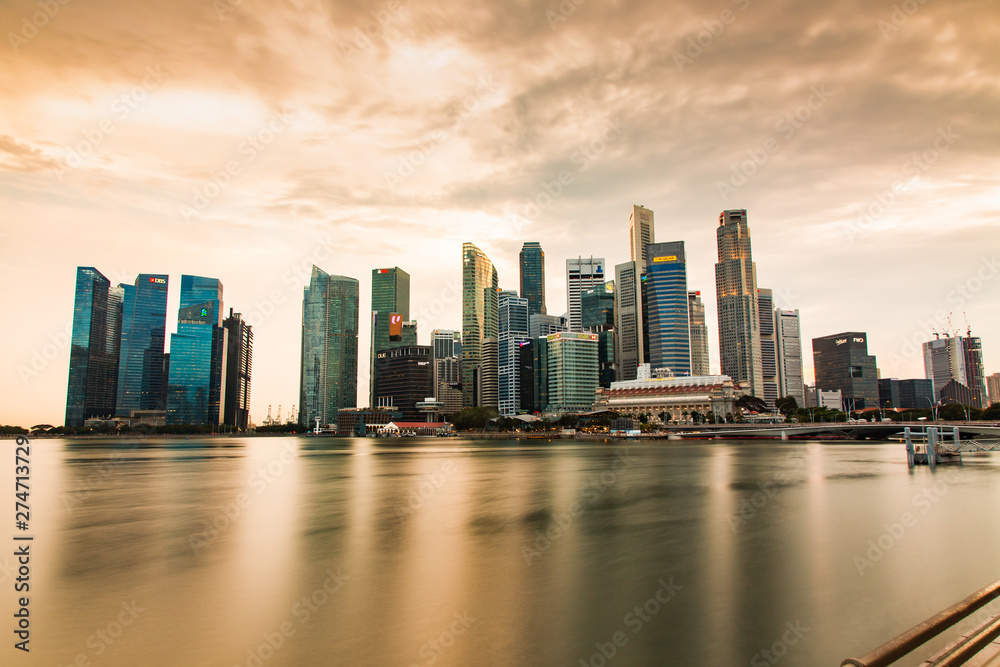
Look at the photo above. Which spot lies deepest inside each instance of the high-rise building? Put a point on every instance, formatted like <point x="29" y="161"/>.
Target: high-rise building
<point x="597" y="307"/>
<point x="526" y="367"/>
<point x="768" y="346"/>
<point x="447" y="377"/>
<point x="905" y="394"/>
<point x="140" y="362"/>
<point x="532" y="263"/>
<point x="572" y="371"/>
<point x="239" y="365"/>
<point x="513" y="330"/>
<point x="975" y="373"/>
<point x="666" y="310"/>
<point x="329" y="371"/>
<point x="993" y="388"/>
<point x="944" y="360"/>
<point x="446" y="343"/>
<point x="629" y="343"/>
<point x="198" y="355"/>
<point x="640" y="235"/>
<point x="581" y="274"/>
<point x="479" y="328"/>
<point x="842" y="362"/>
<point x="405" y="377"/>
<point x="543" y="325"/>
<point x="736" y="290"/>
<point x="390" y="310"/>
<point x="94" y="349"/>
<point x="699" y="334"/>
<point x="789" y="346"/>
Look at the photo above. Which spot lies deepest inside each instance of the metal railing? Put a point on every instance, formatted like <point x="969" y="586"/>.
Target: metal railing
<point x="906" y="643"/>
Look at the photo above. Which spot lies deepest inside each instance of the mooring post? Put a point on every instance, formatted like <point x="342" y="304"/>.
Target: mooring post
<point x="932" y="436"/>
<point x="909" y="446"/>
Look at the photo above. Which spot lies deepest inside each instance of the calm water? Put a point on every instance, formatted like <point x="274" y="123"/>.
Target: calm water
<point x="293" y="551"/>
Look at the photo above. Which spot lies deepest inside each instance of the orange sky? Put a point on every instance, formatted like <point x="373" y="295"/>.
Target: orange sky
<point x="245" y="140"/>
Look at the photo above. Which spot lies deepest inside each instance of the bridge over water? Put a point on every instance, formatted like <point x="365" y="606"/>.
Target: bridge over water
<point x="848" y="430"/>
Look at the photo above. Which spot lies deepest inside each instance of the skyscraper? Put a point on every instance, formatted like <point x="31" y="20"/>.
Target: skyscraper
<point x="629" y="345"/>
<point x="140" y="362"/>
<point x="446" y="343"/>
<point x="390" y="309"/>
<point x="479" y="328"/>
<point x="572" y="371"/>
<point x="736" y="290"/>
<point x="944" y="360"/>
<point x="993" y="388"/>
<point x="768" y="346"/>
<point x="597" y="308"/>
<point x="789" y="347"/>
<point x="513" y="330"/>
<point x="666" y="310"/>
<point x="532" y="263"/>
<point x="543" y="325"/>
<point x="699" y="334"/>
<point x="239" y="365"/>
<point x="581" y="274"/>
<point x="975" y="374"/>
<point x="329" y="367"/>
<point x="405" y="377"/>
<point x="94" y="348"/>
<point x="640" y="235"/>
<point x="842" y="362"/>
<point x="197" y="383"/>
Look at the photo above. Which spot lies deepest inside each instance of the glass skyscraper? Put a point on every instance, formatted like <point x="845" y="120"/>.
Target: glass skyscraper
<point x="513" y="330"/>
<point x="581" y="274"/>
<point x="144" y="330"/>
<point x="480" y="284"/>
<point x="239" y="364"/>
<point x="329" y="366"/>
<point x="532" y="263"/>
<point x="597" y="315"/>
<point x="94" y="349"/>
<point x="196" y="386"/>
<point x="699" y="334"/>
<point x="629" y="344"/>
<point x="768" y="346"/>
<point x="736" y="291"/>
<point x="390" y="300"/>
<point x="668" y="323"/>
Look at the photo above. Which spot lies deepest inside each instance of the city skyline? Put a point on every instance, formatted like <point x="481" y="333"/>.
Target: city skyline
<point x="865" y="166"/>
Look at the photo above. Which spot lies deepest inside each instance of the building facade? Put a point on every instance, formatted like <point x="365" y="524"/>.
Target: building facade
<point x="532" y="276"/>
<point x="699" y="334"/>
<point x="405" y="378"/>
<point x="736" y="291"/>
<point x="666" y="307"/>
<point x="95" y="348"/>
<point x="144" y="330"/>
<point x="543" y="325"/>
<point x="329" y="368"/>
<point x="480" y="284"/>
<point x="975" y="373"/>
<point x="446" y="343"/>
<point x="572" y="371"/>
<point x="513" y="330"/>
<point x="906" y="394"/>
<point x="239" y="368"/>
<point x="629" y="344"/>
<point x="640" y="235"/>
<point x="788" y="337"/>
<point x="582" y="273"/>
<point x="944" y="360"/>
<point x="390" y="310"/>
<point x="677" y="398"/>
<point x="842" y="362"/>
<point x="597" y="306"/>
<point x="993" y="388"/>
<point x="768" y="346"/>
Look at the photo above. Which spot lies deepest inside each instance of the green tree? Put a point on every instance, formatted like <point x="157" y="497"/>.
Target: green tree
<point x="787" y="405"/>
<point x="751" y="403"/>
<point x="992" y="412"/>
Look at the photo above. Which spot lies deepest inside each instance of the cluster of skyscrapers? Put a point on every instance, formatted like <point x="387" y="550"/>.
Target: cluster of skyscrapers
<point x="118" y="371"/>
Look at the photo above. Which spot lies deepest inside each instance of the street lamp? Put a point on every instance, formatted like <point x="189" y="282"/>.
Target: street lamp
<point x="933" y="408"/>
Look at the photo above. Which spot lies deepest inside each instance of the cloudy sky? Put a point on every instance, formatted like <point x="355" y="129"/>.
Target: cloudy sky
<point x="246" y="140"/>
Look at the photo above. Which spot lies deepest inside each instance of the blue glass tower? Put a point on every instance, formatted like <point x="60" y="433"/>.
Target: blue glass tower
<point x="513" y="331"/>
<point x="196" y="388"/>
<point x="144" y="327"/>
<point x="329" y="366"/>
<point x="94" y="348"/>
<point x="666" y="307"/>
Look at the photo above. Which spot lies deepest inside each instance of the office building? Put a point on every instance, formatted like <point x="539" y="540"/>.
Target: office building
<point x="842" y="362"/>
<point x="788" y="338"/>
<point x="447" y="384"/>
<point x="526" y="368"/>
<point x="144" y="330"/>
<point x="667" y="322"/>
<point x="95" y="348"/>
<point x="513" y="330"/>
<point x="581" y="274"/>
<point x="239" y="367"/>
<point x="993" y="388"/>
<point x="832" y="399"/>
<point x="532" y="265"/>
<point x="736" y="291"/>
<point x="597" y="306"/>
<point x="405" y="378"/>
<point x="390" y="310"/>
<point x="446" y="343"/>
<point x="975" y="373"/>
<point x="629" y="340"/>
<point x="768" y="346"/>
<point x="329" y="370"/>
<point x="480" y="284"/>
<point x="699" y="334"/>
<point x="678" y="399"/>
<point x="572" y="371"/>
<point x="543" y="325"/>
<point x="944" y="360"/>
<point x="640" y="235"/>
<point x="198" y="355"/>
<point x="954" y="392"/>
<point x="906" y="394"/>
